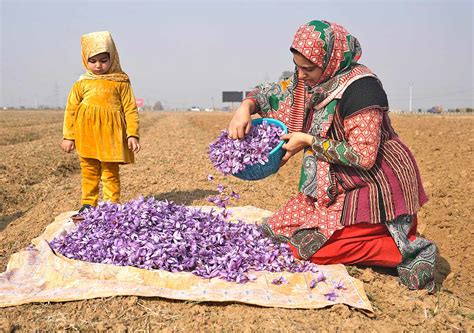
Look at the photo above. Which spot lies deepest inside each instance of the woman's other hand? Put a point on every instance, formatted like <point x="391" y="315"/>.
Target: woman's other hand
<point x="68" y="145"/>
<point x="296" y="141"/>
<point x="241" y="122"/>
<point x="133" y="144"/>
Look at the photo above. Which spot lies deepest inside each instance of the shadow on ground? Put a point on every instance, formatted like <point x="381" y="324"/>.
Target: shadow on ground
<point x="7" y="219"/>
<point x="442" y="270"/>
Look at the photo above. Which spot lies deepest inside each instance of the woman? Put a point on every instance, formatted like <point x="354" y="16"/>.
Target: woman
<point x="360" y="188"/>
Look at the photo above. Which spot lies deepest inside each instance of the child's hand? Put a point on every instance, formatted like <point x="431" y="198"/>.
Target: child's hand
<point x="68" y="145"/>
<point x="133" y="144"/>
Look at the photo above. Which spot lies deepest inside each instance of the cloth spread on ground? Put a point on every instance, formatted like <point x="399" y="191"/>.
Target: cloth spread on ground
<point x="37" y="274"/>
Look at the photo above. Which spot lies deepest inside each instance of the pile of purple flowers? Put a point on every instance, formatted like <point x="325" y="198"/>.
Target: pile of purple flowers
<point x="223" y="197"/>
<point x="152" y="234"/>
<point x="231" y="156"/>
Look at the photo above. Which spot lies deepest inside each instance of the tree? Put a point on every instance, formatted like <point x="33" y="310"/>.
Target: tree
<point x="158" y="106"/>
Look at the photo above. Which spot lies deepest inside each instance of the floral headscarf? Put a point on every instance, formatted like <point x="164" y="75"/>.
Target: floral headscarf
<point x="330" y="47"/>
<point x="99" y="42"/>
<point x="327" y="45"/>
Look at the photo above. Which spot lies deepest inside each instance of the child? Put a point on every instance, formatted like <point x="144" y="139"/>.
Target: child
<point x="101" y="119"/>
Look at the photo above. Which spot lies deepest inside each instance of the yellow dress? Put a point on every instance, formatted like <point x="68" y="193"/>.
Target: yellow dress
<point x="100" y="115"/>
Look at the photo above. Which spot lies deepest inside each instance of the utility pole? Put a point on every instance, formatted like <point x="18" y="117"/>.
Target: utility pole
<point x="411" y="93"/>
<point x="56" y="96"/>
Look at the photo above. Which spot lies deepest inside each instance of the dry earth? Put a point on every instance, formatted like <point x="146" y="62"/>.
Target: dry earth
<point x="38" y="181"/>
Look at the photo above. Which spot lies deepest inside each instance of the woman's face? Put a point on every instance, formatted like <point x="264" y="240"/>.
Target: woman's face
<point x="99" y="64"/>
<point x="307" y="71"/>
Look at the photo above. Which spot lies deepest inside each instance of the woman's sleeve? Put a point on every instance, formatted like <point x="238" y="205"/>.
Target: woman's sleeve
<point x="362" y="132"/>
<point x="362" y="107"/>
<point x="73" y="101"/>
<point x="130" y="110"/>
<point x="269" y="96"/>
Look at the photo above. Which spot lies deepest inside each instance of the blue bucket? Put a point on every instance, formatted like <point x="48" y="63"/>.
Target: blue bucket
<point x="259" y="171"/>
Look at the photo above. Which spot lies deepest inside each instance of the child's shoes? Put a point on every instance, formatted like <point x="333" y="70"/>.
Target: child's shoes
<point x="78" y="217"/>
<point x="83" y="208"/>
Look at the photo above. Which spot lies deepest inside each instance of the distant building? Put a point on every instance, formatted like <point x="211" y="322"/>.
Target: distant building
<point x="435" y="109"/>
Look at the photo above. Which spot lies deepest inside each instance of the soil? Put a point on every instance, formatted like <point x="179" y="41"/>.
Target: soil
<point x="38" y="181"/>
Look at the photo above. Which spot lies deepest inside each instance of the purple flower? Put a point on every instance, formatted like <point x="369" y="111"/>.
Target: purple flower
<point x="231" y="156"/>
<point x="320" y="277"/>
<point x="339" y="285"/>
<point x="331" y="296"/>
<point x="251" y="277"/>
<point x="220" y="188"/>
<point x="312" y="284"/>
<point x="280" y="280"/>
<point x="218" y="200"/>
<point x="223" y="198"/>
<point x="314" y="269"/>
<point x="152" y="234"/>
<point x="225" y="214"/>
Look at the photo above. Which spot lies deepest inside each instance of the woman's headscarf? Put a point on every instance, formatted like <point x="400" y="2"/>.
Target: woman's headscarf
<point x="95" y="43"/>
<point x="330" y="47"/>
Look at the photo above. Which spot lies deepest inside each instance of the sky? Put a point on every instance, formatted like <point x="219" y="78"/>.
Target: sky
<point x="185" y="53"/>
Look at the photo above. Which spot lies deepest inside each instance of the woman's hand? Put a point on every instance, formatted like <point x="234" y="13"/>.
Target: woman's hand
<point x="133" y="144"/>
<point x="241" y="122"/>
<point x="68" y="145"/>
<point x="296" y="141"/>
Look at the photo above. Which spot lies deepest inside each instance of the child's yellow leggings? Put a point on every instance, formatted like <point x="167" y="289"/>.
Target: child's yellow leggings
<point x="93" y="171"/>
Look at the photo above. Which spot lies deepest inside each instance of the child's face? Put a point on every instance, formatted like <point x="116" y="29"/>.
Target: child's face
<point x="99" y="64"/>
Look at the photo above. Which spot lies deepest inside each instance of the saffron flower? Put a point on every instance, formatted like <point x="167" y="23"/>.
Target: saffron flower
<point x="151" y="234"/>
<point x="339" y="285"/>
<point x="314" y="269"/>
<point x="331" y="296"/>
<point x="320" y="277"/>
<point x="220" y="188"/>
<point x="223" y="198"/>
<point x="280" y="280"/>
<point x="230" y="156"/>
